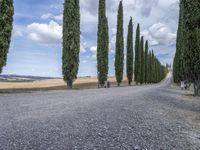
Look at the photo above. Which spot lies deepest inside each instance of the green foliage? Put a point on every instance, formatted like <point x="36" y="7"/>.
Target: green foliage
<point x="146" y="69"/>
<point x="157" y="70"/>
<point x="102" y="44"/>
<point x="119" y="54"/>
<point x="6" y="26"/>
<point x="142" y="63"/>
<point x="178" y="70"/>
<point x="152" y="67"/>
<point x="153" y="70"/>
<point x="129" y="60"/>
<point x="71" y="41"/>
<point x="149" y="67"/>
<point x="191" y="30"/>
<point x="137" y="70"/>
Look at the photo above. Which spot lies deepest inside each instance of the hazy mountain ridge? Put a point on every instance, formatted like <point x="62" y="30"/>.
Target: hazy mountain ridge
<point x="25" y="77"/>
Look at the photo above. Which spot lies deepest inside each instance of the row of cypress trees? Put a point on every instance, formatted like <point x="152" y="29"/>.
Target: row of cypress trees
<point x="6" y="25"/>
<point x="71" y="42"/>
<point x="186" y="64"/>
<point x="148" y="68"/>
<point x="144" y="60"/>
<point x="71" y="45"/>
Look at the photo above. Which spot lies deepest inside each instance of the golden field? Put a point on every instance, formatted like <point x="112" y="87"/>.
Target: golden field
<point x="54" y="84"/>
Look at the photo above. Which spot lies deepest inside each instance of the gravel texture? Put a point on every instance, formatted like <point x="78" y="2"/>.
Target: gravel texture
<point x="153" y="117"/>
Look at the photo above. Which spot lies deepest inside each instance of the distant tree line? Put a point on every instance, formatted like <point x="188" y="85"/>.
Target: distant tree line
<point x="148" y="68"/>
<point x="6" y="25"/>
<point x="186" y="66"/>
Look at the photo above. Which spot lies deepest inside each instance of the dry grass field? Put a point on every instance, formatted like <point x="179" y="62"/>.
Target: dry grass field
<point x="54" y="84"/>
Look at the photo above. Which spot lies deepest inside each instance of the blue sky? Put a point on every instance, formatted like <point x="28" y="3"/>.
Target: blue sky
<point x="36" y="42"/>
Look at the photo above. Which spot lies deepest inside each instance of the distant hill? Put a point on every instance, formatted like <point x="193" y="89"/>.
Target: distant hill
<point x="21" y="77"/>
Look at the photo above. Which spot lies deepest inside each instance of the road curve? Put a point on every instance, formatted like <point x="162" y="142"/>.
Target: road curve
<point x="152" y="117"/>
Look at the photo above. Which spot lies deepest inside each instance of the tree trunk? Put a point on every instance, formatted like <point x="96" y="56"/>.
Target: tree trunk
<point x="69" y="84"/>
<point x="197" y="88"/>
<point x="129" y="83"/>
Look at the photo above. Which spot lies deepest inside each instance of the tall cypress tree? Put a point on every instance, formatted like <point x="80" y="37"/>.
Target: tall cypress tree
<point x="102" y="44"/>
<point x="137" y="56"/>
<point x="71" y="41"/>
<point x="178" y="71"/>
<point x="6" y="26"/>
<point x="175" y="78"/>
<point x="142" y="60"/>
<point x="119" y="54"/>
<point x="129" y="60"/>
<point x="149" y="67"/>
<point x="191" y="32"/>
<point x="156" y="70"/>
<point x="146" y="62"/>
<point x="152" y="67"/>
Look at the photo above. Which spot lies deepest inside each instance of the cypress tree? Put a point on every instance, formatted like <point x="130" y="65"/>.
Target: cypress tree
<point x="152" y="67"/>
<point x="119" y="54"/>
<point x="191" y="42"/>
<point x="149" y="67"/>
<point x="159" y="72"/>
<point x="129" y="63"/>
<point x="175" y="69"/>
<point x="6" y="26"/>
<point x="71" y="41"/>
<point x="137" y="56"/>
<point x="156" y="70"/>
<point x="142" y="60"/>
<point x="178" y="59"/>
<point x="102" y="44"/>
<point x="146" y="62"/>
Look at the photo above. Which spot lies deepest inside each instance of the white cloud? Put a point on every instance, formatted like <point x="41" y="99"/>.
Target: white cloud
<point x="51" y="16"/>
<point x="159" y="33"/>
<point x="83" y="47"/>
<point x="93" y="49"/>
<point x="46" y="16"/>
<point x="84" y="61"/>
<point x="58" y="17"/>
<point x="18" y="33"/>
<point x="112" y="40"/>
<point x="50" y="33"/>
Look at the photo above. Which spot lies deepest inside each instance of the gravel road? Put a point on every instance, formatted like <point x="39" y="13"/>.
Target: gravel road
<point x="153" y="117"/>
